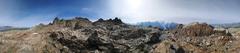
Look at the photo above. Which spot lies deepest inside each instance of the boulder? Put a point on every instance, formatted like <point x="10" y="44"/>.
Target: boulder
<point x="196" y="29"/>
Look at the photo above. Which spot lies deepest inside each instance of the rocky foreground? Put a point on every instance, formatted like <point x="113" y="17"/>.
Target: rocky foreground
<point x="79" y="35"/>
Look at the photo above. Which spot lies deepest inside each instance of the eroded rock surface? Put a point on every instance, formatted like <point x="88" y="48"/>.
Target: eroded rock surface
<point x="79" y="35"/>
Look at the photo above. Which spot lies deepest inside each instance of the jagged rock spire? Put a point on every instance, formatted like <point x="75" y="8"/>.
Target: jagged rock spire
<point x="56" y="19"/>
<point x="117" y="20"/>
<point x="100" y="20"/>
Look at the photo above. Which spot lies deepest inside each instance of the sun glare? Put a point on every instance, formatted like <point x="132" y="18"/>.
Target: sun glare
<point x="134" y="3"/>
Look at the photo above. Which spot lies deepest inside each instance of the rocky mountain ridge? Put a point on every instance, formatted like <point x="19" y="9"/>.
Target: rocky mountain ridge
<point x="79" y="35"/>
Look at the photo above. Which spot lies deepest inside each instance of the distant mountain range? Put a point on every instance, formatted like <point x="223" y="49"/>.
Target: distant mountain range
<point x="5" y="27"/>
<point x="228" y="25"/>
<point x="162" y="25"/>
<point x="172" y="25"/>
<point x="8" y="28"/>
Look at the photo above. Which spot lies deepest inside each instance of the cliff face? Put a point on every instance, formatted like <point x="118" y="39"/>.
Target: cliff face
<point x="79" y="35"/>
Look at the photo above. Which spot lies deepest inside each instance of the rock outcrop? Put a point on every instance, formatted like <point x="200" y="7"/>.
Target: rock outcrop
<point x="107" y="41"/>
<point x="115" y="21"/>
<point x="199" y="38"/>
<point x="196" y="29"/>
<point x="77" y="22"/>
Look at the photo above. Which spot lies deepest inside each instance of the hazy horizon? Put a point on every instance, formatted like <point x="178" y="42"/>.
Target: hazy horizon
<point x="25" y="13"/>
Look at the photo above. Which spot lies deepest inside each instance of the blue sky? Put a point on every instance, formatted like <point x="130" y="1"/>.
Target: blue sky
<point x="25" y="13"/>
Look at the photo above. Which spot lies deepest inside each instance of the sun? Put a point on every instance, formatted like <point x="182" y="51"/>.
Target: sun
<point x="127" y="8"/>
<point x="134" y="3"/>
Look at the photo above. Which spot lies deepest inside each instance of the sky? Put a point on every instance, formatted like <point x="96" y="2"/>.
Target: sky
<point x="27" y="13"/>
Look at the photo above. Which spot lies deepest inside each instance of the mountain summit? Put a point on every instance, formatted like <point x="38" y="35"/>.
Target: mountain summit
<point x="79" y="35"/>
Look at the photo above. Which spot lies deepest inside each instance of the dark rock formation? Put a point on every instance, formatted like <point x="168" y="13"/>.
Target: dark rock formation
<point x="100" y="20"/>
<point x="108" y="36"/>
<point x="179" y="26"/>
<point x="79" y="22"/>
<point x="108" y="41"/>
<point x="115" y="21"/>
<point x="56" y="20"/>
